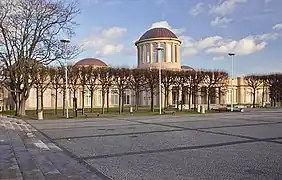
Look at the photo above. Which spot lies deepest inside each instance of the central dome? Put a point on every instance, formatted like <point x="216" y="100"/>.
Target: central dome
<point x="158" y="33"/>
<point x="91" y="62"/>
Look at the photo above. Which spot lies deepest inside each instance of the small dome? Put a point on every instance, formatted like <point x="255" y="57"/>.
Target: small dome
<point x="187" y="68"/>
<point x="91" y="62"/>
<point x="158" y="33"/>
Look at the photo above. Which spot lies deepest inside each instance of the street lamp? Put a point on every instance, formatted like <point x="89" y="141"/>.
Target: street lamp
<point x="159" y="50"/>
<point x="232" y="64"/>
<point x="65" y="43"/>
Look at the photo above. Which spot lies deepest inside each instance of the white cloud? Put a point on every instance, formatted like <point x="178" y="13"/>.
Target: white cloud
<point x="219" y="46"/>
<point x="105" y="42"/>
<point x="218" y="58"/>
<point x="166" y="25"/>
<point x="277" y="27"/>
<point x="244" y="46"/>
<point x="220" y="21"/>
<point x="197" y="9"/>
<point x="226" y="7"/>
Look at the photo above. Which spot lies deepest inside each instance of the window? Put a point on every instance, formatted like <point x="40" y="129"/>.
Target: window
<point x="172" y="55"/>
<point x="163" y="52"/>
<point x="87" y="98"/>
<point x="126" y="98"/>
<point x="168" y="48"/>
<point x="142" y="54"/>
<point x="114" y="97"/>
<point x="175" y="52"/>
<point x="148" y="53"/>
<point x="100" y="97"/>
<point x="155" y="53"/>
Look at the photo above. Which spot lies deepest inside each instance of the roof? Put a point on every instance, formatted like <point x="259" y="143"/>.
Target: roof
<point x="91" y="62"/>
<point x="158" y="33"/>
<point x="187" y="68"/>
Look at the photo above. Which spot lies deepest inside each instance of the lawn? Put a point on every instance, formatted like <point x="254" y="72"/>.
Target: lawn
<point x="112" y="112"/>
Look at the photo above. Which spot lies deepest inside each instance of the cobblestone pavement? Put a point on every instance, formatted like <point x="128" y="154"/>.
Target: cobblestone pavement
<point x="26" y="154"/>
<point x="211" y="146"/>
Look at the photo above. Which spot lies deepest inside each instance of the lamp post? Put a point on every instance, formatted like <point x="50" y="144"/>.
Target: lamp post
<point x="232" y="94"/>
<point x="65" y="43"/>
<point x="159" y="50"/>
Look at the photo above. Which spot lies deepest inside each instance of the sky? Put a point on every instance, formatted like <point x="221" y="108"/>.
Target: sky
<point x="208" y="29"/>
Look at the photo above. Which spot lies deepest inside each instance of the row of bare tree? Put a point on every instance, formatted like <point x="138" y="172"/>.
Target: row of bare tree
<point x="137" y="80"/>
<point x="273" y="82"/>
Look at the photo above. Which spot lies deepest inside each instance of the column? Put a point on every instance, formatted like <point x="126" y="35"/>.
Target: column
<point x="138" y="55"/>
<point x="151" y="52"/>
<point x="166" y="55"/>
<point x="173" y="53"/>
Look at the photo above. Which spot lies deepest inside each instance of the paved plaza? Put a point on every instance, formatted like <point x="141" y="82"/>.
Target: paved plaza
<point x="213" y="146"/>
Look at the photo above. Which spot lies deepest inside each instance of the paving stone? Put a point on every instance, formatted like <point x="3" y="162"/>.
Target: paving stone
<point x="9" y="168"/>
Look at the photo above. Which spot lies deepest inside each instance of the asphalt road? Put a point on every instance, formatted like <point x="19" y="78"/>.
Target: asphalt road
<point x="213" y="146"/>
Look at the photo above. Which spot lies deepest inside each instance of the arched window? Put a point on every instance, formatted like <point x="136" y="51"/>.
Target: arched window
<point x="176" y="53"/>
<point x="168" y="49"/>
<point x="155" y="53"/>
<point x="172" y="54"/>
<point x="142" y="53"/>
<point x="148" y="53"/>
<point x="163" y="52"/>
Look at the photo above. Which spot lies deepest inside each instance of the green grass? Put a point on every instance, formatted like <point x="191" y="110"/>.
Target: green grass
<point x="49" y="114"/>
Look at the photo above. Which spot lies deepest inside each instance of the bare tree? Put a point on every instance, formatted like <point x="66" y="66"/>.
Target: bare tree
<point x="136" y="83"/>
<point x="105" y="77"/>
<point x="151" y="81"/>
<point x="83" y="72"/>
<point x="254" y="82"/>
<point x="42" y="82"/>
<point x="91" y="81"/>
<point x="29" y="33"/>
<point x="168" y="79"/>
<point x="197" y="77"/>
<point x="73" y="80"/>
<point x="275" y="88"/>
<point x="213" y="80"/>
<point x="121" y="78"/>
<point x="56" y="83"/>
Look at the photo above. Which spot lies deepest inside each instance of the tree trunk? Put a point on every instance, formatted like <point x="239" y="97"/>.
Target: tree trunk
<point x="262" y="98"/>
<point x="177" y="99"/>
<point x="56" y="101"/>
<point x="166" y="97"/>
<point x="254" y="98"/>
<point x="64" y="103"/>
<point x="152" y="99"/>
<point x="136" y="100"/>
<point x="189" y="96"/>
<point x="91" y="99"/>
<point x="83" y="93"/>
<point x="37" y="99"/>
<point x="182" y="99"/>
<point x="108" y="92"/>
<point x="103" y="102"/>
<point x="22" y="107"/>
<point x="208" y="94"/>
<point x="122" y="102"/>
<point x="119" y="101"/>
<point x="41" y="99"/>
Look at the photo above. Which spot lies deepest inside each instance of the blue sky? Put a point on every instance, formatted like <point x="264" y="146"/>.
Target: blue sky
<point x="209" y="29"/>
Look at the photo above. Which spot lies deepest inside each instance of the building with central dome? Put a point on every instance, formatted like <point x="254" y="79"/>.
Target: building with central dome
<point x="148" y="55"/>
